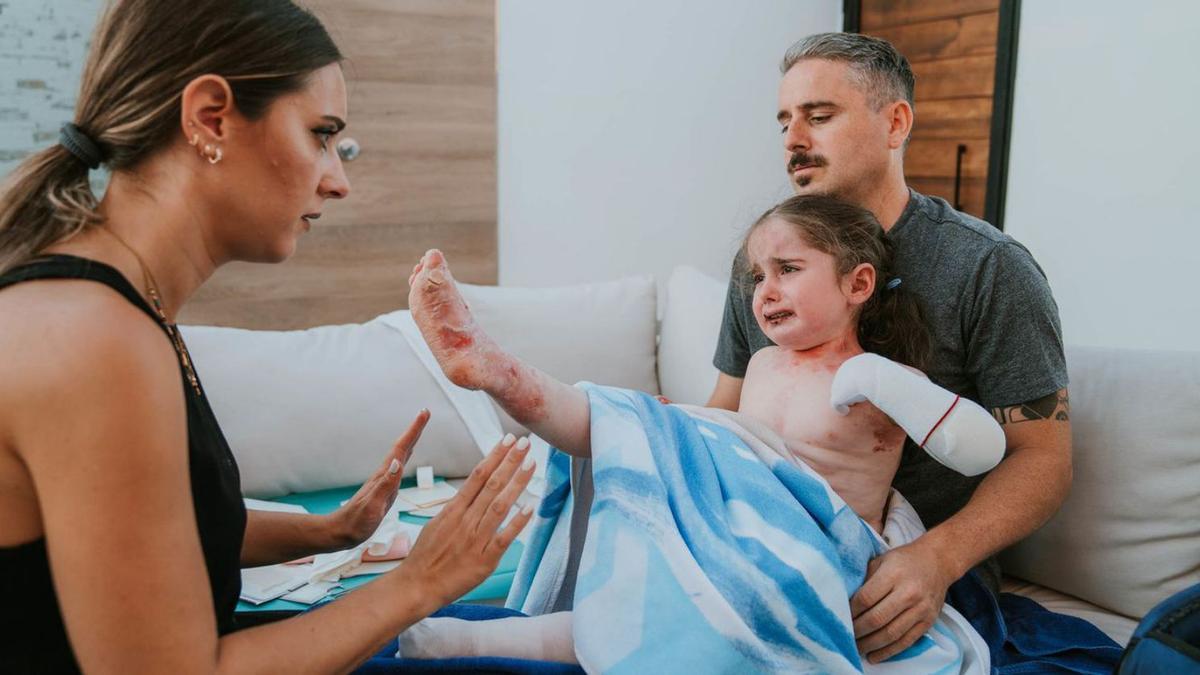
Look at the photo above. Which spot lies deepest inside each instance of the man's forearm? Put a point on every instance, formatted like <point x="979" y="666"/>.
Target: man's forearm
<point x="727" y="393"/>
<point x="1015" y="499"/>
<point x="279" y="537"/>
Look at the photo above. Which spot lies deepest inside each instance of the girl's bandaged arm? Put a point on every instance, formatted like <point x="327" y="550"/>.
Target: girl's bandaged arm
<point x="956" y="431"/>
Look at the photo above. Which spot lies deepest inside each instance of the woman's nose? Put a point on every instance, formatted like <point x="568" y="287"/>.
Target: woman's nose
<point x="335" y="184"/>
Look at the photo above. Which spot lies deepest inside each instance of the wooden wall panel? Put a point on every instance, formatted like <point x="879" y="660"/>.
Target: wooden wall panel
<point x="956" y="77"/>
<point x="937" y="158"/>
<point x="951" y="45"/>
<point x="336" y="274"/>
<point x="878" y="14"/>
<point x="956" y="119"/>
<point x="973" y="35"/>
<point x="421" y="83"/>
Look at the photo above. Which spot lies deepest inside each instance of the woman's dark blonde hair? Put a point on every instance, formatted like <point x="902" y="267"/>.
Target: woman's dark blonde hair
<point x="891" y="322"/>
<point x="143" y="54"/>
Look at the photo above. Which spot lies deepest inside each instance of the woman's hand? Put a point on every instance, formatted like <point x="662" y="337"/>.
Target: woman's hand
<point x="359" y="517"/>
<point x="460" y="547"/>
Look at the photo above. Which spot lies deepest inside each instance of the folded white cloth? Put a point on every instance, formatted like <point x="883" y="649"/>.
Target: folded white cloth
<point x="334" y="566"/>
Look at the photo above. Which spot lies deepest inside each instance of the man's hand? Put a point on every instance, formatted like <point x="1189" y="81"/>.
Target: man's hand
<point x="901" y="598"/>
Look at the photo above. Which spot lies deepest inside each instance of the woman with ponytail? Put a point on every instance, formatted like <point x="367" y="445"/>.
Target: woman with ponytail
<point x="123" y="526"/>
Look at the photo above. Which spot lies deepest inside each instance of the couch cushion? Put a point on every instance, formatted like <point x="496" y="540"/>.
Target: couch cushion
<point x="319" y="408"/>
<point x="1128" y="535"/>
<point x="691" y="323"/>
<point x="600" y="332"/>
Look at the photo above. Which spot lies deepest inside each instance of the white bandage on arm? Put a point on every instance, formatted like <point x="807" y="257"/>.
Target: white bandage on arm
<point x="955" y="431"/>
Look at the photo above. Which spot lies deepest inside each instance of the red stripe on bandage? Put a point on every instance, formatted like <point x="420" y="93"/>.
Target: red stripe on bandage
<point x="939" y="422"/>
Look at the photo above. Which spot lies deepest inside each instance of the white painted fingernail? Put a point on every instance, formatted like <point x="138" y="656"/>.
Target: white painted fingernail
<point x="527" y="509"/>
<point x="527" y="464"/>
<point x="508" y="439"/>
<point x="523" y="443"/>
<point x="394" y="467"/>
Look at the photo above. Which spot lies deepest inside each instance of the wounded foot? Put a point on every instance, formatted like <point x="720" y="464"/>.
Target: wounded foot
<point x="466" y="354"/>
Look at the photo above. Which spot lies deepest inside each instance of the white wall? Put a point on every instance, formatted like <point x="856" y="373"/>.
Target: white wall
<point x="638" y="135"/>
<point x="1102" y="179"/>
<point x="42" y="48"/>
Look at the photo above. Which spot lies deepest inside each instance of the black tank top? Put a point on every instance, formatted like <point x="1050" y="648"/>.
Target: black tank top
<point x="32" y="636"/>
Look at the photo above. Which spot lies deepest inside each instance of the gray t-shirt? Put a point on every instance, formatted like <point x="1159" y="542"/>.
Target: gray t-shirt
<point x="994" y="324"/>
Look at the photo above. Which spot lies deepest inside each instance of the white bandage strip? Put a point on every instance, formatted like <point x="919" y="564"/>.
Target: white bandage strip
<point x="956" y="432"/>
<point x="424" y="477"/>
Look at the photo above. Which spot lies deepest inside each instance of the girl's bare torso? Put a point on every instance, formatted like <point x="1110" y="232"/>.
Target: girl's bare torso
<point x="857" y="453"/>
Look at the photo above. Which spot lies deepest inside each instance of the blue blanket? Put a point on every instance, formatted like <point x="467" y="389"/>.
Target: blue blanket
<point x="707" y="550"/>
<point x="1024" y="637"/>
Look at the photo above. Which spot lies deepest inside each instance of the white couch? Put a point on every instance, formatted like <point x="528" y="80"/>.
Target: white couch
<point x="307" y="410"/>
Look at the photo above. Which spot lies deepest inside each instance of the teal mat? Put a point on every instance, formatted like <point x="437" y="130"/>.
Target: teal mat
<point x="326" y="501"/>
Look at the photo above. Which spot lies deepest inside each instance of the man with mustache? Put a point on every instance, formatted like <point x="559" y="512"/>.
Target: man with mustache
<point x="846" y="111"/>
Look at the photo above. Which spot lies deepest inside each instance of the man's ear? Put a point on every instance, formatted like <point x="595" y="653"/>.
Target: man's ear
<point x="206" y="107"/>
<point x="859" y="283"/>
<point x="900" y="122"/>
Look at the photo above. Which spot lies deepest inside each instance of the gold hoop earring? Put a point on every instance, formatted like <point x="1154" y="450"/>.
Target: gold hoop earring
<point x="215" y="156"/>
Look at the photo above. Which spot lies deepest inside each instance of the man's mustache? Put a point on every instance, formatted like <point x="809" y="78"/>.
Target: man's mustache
<point x="800" y="159"/>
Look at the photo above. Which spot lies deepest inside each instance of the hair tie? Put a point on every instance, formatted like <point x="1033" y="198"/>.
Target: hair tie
<point x="80" y="144"/>
<point x="893" y="283"/>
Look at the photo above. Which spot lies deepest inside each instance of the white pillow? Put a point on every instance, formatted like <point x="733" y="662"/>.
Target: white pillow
<point x="599" y="332"/>
<point x="320" y="408"/>
<point x="691" y="323"/>
<point x="1128" y="535"/>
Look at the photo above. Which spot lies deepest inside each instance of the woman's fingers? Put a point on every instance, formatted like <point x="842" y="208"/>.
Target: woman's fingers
<point x="500" y="541"/>
<point x="460" y="546"/>
<point x="404" y="445"/>
<point x="495" y="512"/>
<point x="480" y="474"/>
<point x="390" y="474"/>
<point x="495" y="483"/>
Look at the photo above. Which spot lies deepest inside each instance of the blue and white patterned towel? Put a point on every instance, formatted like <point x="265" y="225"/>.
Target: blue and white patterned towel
<point x="708" y="550"/>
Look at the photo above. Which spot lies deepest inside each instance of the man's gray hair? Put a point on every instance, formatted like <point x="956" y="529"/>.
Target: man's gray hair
<point x="881" y="71"/>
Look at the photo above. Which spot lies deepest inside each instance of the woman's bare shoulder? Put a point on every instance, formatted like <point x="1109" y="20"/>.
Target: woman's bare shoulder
<point x="63" y="339"/>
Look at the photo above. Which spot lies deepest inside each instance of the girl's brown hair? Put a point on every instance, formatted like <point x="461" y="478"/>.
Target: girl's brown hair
<point x="143" y="54"/>
<point x="891" y="322"/>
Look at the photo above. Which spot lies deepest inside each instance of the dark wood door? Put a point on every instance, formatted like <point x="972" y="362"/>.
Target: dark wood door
<point x="961" y="54"/>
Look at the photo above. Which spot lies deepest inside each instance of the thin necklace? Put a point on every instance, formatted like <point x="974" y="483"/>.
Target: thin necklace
<point x="155" y="299"/>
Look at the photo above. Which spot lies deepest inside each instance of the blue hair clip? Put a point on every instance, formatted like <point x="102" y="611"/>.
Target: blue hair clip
<point x="893" y="283"/>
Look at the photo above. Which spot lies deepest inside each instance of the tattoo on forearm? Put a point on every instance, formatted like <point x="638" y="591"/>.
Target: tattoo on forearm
<point x="1056" y="406"/>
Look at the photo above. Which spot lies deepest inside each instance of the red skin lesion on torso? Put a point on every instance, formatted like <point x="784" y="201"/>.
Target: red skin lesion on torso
<point x="857" y="453"/>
